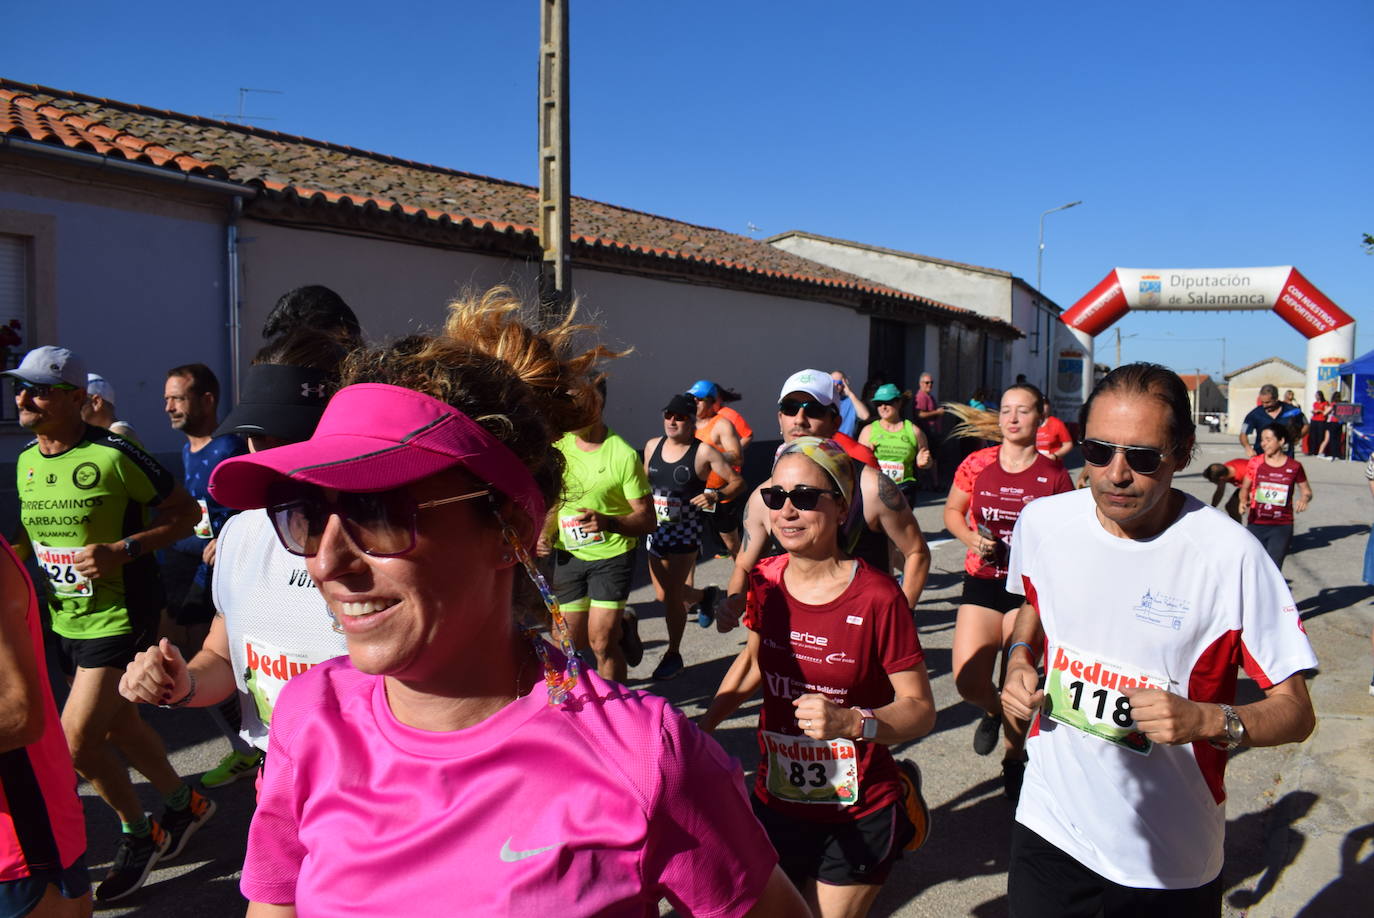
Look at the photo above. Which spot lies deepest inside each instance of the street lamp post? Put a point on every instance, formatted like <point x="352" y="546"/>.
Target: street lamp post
<point x="1040" y="252"/>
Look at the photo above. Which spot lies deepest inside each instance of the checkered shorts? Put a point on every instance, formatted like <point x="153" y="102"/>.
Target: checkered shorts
<point x="679" y="537"/>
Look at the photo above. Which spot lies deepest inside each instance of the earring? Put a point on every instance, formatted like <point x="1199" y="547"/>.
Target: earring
<point x="557" y="683"/>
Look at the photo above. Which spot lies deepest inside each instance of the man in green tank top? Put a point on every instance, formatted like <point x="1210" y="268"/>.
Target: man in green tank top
<point x="84" y="498"/>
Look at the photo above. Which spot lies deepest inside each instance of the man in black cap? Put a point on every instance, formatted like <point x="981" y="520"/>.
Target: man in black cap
<point x="271" y="621"/>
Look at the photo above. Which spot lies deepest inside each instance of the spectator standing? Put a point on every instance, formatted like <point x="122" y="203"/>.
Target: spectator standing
<point x="1323" y="430"/>
<point x="928" y="414"/>
<point x="1052" y="439"/>
<point x="99" y="410"/>
<point x="854" y="414"/>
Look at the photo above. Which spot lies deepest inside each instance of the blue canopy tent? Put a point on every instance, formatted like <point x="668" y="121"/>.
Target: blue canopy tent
<point x="1357" y="378"/>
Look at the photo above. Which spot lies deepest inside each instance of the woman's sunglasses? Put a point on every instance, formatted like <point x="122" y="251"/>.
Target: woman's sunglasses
<point x="380" y="523"/>
<point x="1142" y="459"/>
<point x="789" y="407"/>
<point x="802" y="498"/>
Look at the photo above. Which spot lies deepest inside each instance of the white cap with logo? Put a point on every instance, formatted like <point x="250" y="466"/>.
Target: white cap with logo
<point x="814" y="383"/>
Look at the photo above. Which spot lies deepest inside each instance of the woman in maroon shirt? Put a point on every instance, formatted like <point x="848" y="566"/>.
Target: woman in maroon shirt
<point x="834" y="648"/>
<point x="1267" y="493"/>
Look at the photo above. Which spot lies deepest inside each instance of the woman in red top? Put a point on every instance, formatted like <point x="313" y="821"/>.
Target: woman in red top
<point x="1320" y="432"/>
<point x="1267" y="493"/>
<point x="990" y="488"/>
<point x="833" y="645"/>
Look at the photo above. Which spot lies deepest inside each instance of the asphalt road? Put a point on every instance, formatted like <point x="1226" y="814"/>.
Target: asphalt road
<point x="1300" y="835"/>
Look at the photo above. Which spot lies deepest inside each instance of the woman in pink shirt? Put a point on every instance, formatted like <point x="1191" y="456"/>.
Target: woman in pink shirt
<point x="453" y="761"/>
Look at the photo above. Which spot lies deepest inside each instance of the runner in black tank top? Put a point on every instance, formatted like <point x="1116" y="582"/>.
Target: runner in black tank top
<point x="680" y="497"/>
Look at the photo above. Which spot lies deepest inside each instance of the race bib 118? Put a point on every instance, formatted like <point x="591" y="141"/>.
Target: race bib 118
<point x="1083" y="691"/>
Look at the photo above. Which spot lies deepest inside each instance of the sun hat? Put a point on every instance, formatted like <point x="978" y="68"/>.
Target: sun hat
<point x="813" y="383"/>
<point x="278" y="401"/>
<point x="375" y="437"/>
<point x="887" y="393"/>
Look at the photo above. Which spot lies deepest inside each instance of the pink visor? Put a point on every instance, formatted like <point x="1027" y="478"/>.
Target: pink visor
<point x="374" y="437"/>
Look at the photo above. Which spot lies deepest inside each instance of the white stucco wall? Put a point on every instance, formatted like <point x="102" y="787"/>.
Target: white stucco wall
<point x="133" y="280"/>
<point x="1243" y="390"/>
<point x="679" y="332"/>
<point x="987" y="293"/>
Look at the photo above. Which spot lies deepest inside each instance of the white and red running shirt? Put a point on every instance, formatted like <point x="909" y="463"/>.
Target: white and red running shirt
<point x="996" y="498"/>
<point x="1271" y="491"/>
<point x="600" y="806"/>
<point x="845" y="650"/>
<point x="1183" y="610"/>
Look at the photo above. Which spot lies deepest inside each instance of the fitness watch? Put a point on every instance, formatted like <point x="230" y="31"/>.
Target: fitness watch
<point x="132" y="548"/>
<point x="869" y="729"/>
<point x="1235" y="730"/>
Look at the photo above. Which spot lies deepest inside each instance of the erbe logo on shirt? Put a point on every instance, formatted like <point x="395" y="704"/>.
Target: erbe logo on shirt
<point x="1006" y="490"/>
<point x="1160" y="609"/>
<point x="806" y="637"/>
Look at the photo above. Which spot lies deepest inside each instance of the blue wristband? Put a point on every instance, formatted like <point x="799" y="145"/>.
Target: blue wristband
<point x="1012" y="649"/>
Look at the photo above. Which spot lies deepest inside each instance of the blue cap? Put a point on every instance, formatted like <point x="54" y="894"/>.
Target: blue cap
<point x="702" y="388"/>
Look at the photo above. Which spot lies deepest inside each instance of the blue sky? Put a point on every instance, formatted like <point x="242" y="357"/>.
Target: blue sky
<point x="1197" y="135"/>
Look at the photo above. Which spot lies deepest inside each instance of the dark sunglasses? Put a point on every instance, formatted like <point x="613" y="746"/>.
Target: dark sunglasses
<point x="671" y="416"/>
<point x="801" y="498"/>
<point x="789" y="407"/>
<point x="1142" y="459"/>
<point x="889" y="402"/>
<point x="41" y="390"/>
<point x="380" y="523"/>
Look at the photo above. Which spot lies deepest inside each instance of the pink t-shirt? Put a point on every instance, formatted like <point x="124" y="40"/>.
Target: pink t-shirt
<point x="601" y="806"/>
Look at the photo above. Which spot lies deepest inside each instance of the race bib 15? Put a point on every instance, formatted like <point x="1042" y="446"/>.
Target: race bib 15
<point x="1083" y="691"/>
<point x="575" y="536"/>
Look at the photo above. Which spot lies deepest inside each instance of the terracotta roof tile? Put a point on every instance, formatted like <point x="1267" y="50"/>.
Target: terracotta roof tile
<point x="298" y="168"/>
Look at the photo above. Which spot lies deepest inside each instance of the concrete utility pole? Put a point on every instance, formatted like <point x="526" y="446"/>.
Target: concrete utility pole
<point x="555" y="223"/>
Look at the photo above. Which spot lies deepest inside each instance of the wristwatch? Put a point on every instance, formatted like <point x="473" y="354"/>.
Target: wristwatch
<point x="132" y="548"/>
<point x="1235" y="730"/>
<point x="869" y="728"/>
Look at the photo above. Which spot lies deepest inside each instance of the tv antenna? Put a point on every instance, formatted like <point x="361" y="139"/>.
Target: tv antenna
<point x="243" y="94"/>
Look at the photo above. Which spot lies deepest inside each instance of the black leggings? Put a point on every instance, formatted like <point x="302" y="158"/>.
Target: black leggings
<point x="1275" y="539"/>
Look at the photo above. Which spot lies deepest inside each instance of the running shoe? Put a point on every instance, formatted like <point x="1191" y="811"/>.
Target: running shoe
<point x="985" y="736"/>
<point x="233" y="766"/>
<point x="630" y="644"/>
<point x="181" y="824"/>
<point x="1013" y="774"/>
<point x="915" y="803"/>
<point x="133" y="861"/>
<point x="706" y="609"/>
<point x="669" y="666"/>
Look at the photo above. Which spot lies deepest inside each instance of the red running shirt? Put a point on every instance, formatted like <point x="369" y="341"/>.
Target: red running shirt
<point x="1271" y="492"/>
<point x="845" y="650"/>
<point x="1051" y="435"/>
<point x="996" y="497"/>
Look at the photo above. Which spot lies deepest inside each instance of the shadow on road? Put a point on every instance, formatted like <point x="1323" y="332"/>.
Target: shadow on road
<point x="1264" y="843"/>
<point x="1331" y="599"/>
<point x="1349" y="893"/>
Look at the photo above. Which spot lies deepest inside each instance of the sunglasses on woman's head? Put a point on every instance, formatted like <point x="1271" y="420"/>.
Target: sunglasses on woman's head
<point x="802" y="498"/>
<point x="380" y="523"/>
<point x="789" y="407"/>
<point x="1143" y="459"/>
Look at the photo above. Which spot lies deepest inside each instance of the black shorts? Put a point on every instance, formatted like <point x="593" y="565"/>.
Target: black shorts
<point x="1044" y="882"/>
<point x="838" y="853"/>
<point x="21" y="897"/>
<point x="990" y="593"/>
<point x="114" y="652"/>
<point x="727" y="515"/>
<point x="188" y="602"/>
<point x="605" y="582"/>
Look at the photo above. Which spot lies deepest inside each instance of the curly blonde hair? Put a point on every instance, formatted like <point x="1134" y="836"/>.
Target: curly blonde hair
<point x="526" y="386"/>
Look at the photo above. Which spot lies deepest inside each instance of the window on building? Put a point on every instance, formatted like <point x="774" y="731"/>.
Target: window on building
<point x="15" y="318"/>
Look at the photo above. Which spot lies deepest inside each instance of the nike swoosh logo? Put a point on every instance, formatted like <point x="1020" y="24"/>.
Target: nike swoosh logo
<point x="510" y="855"/>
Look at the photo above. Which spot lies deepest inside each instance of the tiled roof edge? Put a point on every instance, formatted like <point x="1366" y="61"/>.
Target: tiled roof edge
<point x="888" y="251"/>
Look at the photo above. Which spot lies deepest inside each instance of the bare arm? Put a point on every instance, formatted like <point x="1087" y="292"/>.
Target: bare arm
<point x="1243" y="491"/>
<point x="753" y="542"/>
<point x="1304" y="496"/>
<point x="885" y="507"/>
<point x="710" y="460"/>
<point x="1063" y="451"/>
<point x="741" y="681"/>
<point x="1217" y="495"/>
<point x="727" y="441"/>
<point x="911" y="714"/>
<point x="265" y="910"/>
<point x="866" y="435"/>
<point x="861" y="410"/>
<point x="1020" y="697"/>
<point x="779" y="899"/>
<point x="21" y="695"/>
<point x="176" y="518"/>
<point x="956" y="521"/>
<point x="1245" y="442"/>
<point x="639" y="521"/>
<point x="160" y="675"/>
<point x="1284" y="715"/>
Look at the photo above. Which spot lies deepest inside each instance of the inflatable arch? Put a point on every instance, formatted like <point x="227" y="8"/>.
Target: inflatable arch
<point x="1329" y="331"/>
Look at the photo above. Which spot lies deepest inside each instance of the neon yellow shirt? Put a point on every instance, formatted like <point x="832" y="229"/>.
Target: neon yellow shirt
<point x="604" y="480"/>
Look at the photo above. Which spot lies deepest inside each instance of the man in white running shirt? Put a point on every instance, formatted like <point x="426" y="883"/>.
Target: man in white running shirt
<point x="1143" y="602"/>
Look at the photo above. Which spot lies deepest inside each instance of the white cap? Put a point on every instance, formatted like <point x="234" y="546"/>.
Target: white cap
<point x="813" y="382"/>
<point x="50" y="365"/>
<point x="96" y="385"/>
